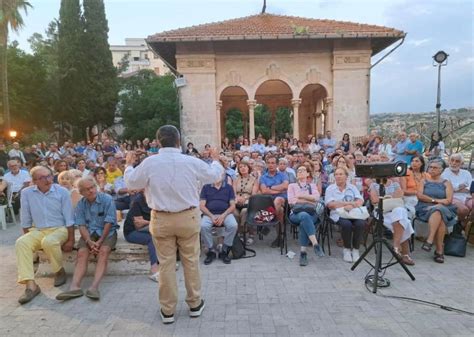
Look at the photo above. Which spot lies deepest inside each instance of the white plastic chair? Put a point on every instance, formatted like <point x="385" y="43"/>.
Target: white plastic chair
<point x="3" y="220"/>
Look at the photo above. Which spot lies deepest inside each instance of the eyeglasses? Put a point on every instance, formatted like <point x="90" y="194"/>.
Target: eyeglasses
<point x="45" y="178"/>
<point x="455" y="160"/>
<point x="435" y="167"/>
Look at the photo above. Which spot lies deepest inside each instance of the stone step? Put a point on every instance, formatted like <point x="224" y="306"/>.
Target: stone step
<point x="126" y="259"/>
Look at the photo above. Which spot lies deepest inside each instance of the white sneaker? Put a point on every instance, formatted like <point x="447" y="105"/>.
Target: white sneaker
<point x="355" y="255"/>
<point x="347" y="255"/>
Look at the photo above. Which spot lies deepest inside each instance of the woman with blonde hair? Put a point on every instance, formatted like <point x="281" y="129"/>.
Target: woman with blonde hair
<point x="245" y="186"/>
<point x="342" y="194"/>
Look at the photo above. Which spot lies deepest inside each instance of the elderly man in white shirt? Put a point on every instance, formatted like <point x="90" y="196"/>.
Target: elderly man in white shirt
<point x="172" y="182"/>
<point x="18" y="179"/>
<point x="16" y="153"/>
<point x="461" y="181"/>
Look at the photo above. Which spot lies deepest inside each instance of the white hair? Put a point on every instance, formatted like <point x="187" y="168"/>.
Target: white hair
<point x="81" y="182"/>
<point x="458" y="156"/>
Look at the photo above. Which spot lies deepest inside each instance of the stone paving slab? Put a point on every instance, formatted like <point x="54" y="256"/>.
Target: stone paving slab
<point x="269" y="295"/>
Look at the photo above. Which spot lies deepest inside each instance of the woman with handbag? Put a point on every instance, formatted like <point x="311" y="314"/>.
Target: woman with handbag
<point x="341" y="198"/>
<point x="302" y="198"/>
<point x="395" y="218"/>
<point x="245" y="186"/>
<point x="435" y="197"/>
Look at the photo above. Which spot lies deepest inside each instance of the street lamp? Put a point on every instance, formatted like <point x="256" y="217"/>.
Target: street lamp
<point x="12" y="134"/>
<point x="439" y="59"/>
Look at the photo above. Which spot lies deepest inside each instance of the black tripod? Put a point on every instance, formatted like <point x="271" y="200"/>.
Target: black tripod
<point x="378" y="243"/>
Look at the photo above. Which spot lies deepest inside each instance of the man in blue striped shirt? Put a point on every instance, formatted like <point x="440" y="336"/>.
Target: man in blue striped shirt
<point x="47" y="206"/>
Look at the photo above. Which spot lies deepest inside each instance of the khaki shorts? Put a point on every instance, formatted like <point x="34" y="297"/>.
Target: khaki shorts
<point x="109" y="242"/>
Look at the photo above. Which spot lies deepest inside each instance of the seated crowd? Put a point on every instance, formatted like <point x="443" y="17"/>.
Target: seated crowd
<point x="83" y="186"/>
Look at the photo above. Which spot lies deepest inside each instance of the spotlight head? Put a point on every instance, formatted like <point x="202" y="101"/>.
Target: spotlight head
<point x="440" y="57"/>
<point x="381" y="170"/>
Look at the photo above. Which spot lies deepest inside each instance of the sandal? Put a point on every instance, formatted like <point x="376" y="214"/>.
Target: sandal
<point x="406" y="259"/>
<point x="439" y="258"/>
<point x="427" y="246"/>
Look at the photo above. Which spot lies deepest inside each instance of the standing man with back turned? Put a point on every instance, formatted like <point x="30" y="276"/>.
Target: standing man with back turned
<point x="171" y="181"/>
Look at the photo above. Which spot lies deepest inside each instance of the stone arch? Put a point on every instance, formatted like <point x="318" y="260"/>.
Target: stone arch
<point x="313" y="111"/>
<point x="233" y="97"/>
<point x="274" y="94"/>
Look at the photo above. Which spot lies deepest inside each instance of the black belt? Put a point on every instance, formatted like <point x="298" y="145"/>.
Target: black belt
<point x="184" y="210"/>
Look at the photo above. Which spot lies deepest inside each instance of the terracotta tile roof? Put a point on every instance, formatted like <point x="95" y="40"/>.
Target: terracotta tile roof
<point x="270" y="26"/>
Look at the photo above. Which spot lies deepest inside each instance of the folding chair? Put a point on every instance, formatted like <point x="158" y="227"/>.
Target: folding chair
<point x="261" y="202"/>
<point x="9" y="202"/>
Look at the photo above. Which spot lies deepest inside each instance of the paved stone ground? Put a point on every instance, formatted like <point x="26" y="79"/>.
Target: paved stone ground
<point x="269" y="295"/>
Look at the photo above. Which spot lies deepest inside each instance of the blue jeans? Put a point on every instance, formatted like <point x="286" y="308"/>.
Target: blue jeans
<point x="143" y="238"/>
<point x="307" y="225"/>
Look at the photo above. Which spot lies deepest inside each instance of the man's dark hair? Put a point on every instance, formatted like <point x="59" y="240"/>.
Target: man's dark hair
<point x="168" y="136"/>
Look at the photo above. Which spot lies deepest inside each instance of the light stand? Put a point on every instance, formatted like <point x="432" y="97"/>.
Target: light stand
<point x="439" y="59"/>
<point x="378" y="243"/>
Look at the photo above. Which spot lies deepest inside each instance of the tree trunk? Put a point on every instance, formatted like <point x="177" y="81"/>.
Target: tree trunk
<point x="4" y="78"/>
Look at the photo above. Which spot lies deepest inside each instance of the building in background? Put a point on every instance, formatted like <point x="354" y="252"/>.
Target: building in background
<point x="320" y="69"/>
<point x="139" y="57"/>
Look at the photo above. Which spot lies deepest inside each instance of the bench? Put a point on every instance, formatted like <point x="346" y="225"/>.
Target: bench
<point x="126" y="259"/>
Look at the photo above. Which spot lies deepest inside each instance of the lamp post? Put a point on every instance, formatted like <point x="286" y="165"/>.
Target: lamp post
<point x="439" y="59"/>
<point x="12" y="134"/>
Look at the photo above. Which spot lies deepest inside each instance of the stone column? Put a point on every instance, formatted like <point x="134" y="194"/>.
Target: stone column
<point x="296" y="117"/>
<point x="251" y="105"/>
<point x="218" y="118"/>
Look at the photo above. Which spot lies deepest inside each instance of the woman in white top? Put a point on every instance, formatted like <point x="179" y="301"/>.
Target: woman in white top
<point x="343" y="194"/>
<point x="313" y="146"/>
<point x="437" y="148"/>
<point x="396" y="220"/>
<point x="245" y="147"/>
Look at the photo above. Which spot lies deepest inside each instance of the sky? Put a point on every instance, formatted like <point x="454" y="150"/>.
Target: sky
<point x="405" y="81"/>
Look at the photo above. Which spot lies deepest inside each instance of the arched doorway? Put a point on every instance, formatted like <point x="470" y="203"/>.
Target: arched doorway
<point x="274" y="95"/>
<point x="313" y="111"/>
<point x="234" y="100"/>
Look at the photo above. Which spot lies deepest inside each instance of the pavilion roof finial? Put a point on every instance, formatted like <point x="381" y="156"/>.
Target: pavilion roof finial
<point x="264" y="6"/>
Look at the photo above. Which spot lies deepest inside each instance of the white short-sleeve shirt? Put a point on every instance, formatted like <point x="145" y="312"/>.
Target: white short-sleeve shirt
<point x="333" y="193"/>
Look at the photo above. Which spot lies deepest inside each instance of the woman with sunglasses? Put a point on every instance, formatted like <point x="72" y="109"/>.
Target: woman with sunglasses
<point x="304" y="192"/>
<point x="435" y="197"/>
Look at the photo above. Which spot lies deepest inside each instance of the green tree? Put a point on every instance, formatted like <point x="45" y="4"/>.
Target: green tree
<point x="146" y="102"/>
<point x="10" y="18"/>
<point x="71" y="63"/>
<point x="101" y="91"/>
<point x="263" y="120"/>
<point x="283" y="122"/>
<point x="28" y="102"/>
<point x="45" y="50"/>
<point x="234" y="125"/>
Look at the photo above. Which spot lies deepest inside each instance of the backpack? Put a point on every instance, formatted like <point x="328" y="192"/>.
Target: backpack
<point x="239" y="251"/>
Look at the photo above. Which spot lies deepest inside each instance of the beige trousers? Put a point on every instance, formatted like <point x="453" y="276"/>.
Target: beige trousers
<point x="48" y="239"/>
<point x="171" y="231"/>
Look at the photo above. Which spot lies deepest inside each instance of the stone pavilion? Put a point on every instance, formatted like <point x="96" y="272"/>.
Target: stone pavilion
<point x="320" y="69"/>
